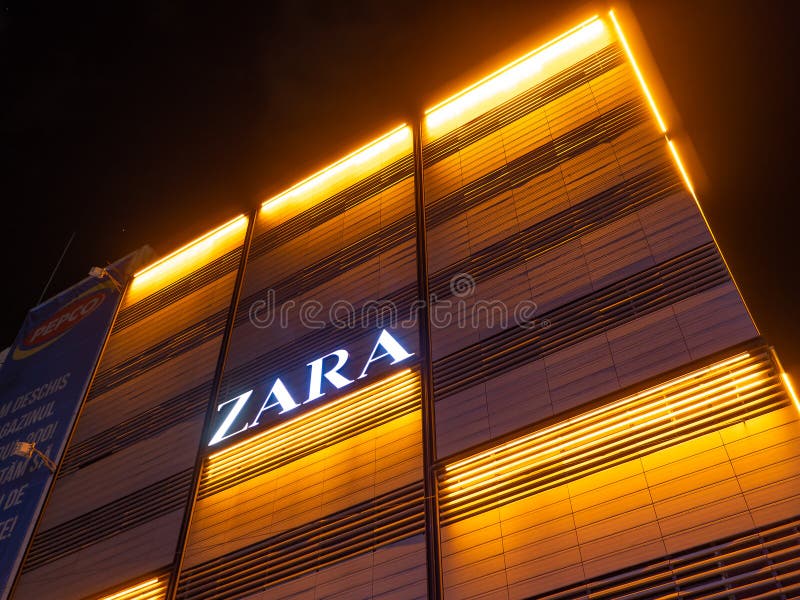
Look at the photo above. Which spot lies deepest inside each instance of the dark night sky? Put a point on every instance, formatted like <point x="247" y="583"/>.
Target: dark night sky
<point x="151" y="122"/>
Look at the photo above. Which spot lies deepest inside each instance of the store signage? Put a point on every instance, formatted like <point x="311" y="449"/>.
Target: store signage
<point x="61" y="322"/>
<point x="42" y="384"/>
<point x="326" y="368"/>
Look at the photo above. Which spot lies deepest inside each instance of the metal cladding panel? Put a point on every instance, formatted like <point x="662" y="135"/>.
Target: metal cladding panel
<point x="564" y="198"/>
<point x="86" y="573"/>
<point x="331" y="264"/>
<point x="379" y="460"/>
<point x="160" y="384"/>
<point x="548" y="214"/>
<point x="124" y="472"/>
<point x="393" y="572"/>
<point x="560" y="380"/>
<point x="170" y="321"/>
<point x="129" y="465"/>
<point x="587" y="496"/>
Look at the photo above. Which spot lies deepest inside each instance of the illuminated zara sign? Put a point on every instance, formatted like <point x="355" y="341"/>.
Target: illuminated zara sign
<point x="326" y="368"/>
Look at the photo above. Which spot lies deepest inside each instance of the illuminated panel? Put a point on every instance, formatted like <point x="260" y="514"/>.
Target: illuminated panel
<point x="661" y="124"/>
<point x="152" y="589"/>
<point x="347" y="171"/>
<point x="536" y="66"/>
<point x="362" y="410"/>
<point x="188" y="258"/>
<point x="705" y="400"/>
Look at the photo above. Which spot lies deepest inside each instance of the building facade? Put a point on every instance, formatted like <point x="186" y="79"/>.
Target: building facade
<point x="494" y="353"/>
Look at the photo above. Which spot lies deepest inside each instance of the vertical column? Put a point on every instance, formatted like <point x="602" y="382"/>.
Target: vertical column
<point x="212" y="403"/>
<point x="432" y="545"/>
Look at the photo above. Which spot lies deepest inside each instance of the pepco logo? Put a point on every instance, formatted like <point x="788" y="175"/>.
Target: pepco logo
<point x="60" y="323"/>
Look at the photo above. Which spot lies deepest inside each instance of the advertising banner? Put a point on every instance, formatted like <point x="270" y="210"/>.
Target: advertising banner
<point x="42" y="384"/>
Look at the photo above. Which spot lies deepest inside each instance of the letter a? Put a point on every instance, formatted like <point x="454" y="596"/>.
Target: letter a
<point x="282" y="398"/>
<point x="391" y="348"/>
<point x="332" y="375"/>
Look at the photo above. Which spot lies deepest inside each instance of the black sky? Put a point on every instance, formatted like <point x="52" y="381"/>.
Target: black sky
<point x="151" y="122"/>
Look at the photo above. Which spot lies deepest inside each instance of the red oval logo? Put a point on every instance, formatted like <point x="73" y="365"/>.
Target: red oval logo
<point x="64" y="319"/>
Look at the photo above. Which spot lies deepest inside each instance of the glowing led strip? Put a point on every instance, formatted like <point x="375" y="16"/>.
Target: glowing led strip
<point x="657" y="423"/>
<point x="502" y="478"/>
<point x="727" y="386"/>
<point x="192" y="252"/>
<point x="661" y="124"/>
<point x="315" y="425"/>
<point x="151" y="589"/>
<point x="380" y="150"/>
<point x="504" y="82"/>
<point x="640" y="418"/>
<point x="598" y="413"/>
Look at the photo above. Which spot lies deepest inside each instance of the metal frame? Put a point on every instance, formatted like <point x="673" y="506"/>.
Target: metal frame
<point x="432" y="534"/>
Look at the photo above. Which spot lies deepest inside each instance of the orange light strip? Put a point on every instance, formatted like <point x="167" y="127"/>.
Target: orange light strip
<point x="384" y="148"/>
<point x="318" y="424"/>
<point x="646" y="90"/>
<point x="678" y="162"/>
<point x="790" y="388"/>
<point x="638" y="417"/>
<point x="708" y="398"/>
<point x="638" y="72"/>
<point x="152" y="589"/>
<point x="189" y="253"/>
<point x="593" y="415"/>
<point x="589" y="458"/>
<point x="645" y="420"/>
<point x="510" y="79"/>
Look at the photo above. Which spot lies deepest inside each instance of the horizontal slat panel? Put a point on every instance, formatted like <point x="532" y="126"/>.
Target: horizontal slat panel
<point x="333" y="265"/>
<point x="613" y="305"/>
<point x="331" y="207"/>
<point x="90" y="572"/>
<point x="216" y="269"/>
<point x="705" y="400"/>
<point x="761" y="563"/>
<point x="124" y="472"/>
<point x="396" y="571"/>
<point x="109" y="520"/>
<point x="602" y="129"/>
<point x="331" y="237"/>
<point x="356" y="530"/>
<point x="601" y="209"/>
<point x="169" y="322"/>
<point x="159" y="353"/>
<point x="150" y="389"/>
<point x="523" y="104"/>
<point x="145" y="425"/>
